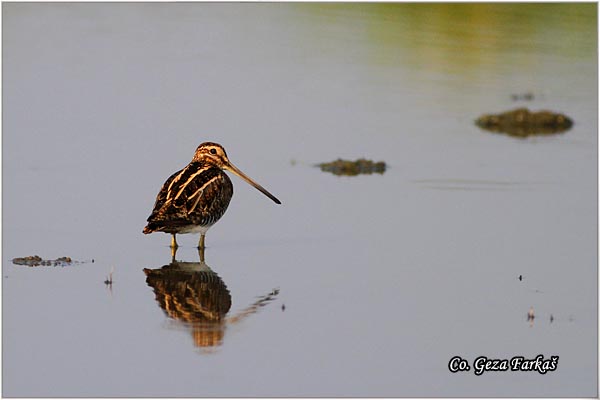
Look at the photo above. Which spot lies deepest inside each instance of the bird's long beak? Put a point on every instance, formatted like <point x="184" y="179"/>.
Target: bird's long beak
<point x="235" y="170"/>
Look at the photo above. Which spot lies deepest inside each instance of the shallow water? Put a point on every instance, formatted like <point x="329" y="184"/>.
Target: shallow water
<point x="354" y="286"/>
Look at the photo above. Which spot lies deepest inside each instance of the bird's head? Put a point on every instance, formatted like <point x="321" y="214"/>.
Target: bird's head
<point x="214" y="154"/>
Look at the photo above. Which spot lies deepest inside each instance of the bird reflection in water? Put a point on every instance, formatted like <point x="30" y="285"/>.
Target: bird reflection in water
<point x="192" y="294"/>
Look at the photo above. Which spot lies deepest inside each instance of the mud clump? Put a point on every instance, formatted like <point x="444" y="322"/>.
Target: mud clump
<point x="352" y="168"/>
<point x="523" y="123"/>
<point x="35" y="261"/>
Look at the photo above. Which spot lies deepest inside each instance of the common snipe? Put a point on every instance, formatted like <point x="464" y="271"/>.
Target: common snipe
<point x="196" y="197"/>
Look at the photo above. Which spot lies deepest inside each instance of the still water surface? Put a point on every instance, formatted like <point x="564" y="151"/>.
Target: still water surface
<point x="354" y="286"/>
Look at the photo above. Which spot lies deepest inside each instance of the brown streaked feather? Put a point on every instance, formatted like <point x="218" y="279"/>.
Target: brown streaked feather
<point x="199" y="194"/>
<point x="161" y="198"/>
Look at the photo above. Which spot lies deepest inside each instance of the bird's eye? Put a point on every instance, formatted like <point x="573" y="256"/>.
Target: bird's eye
<point x="213" y="151"/>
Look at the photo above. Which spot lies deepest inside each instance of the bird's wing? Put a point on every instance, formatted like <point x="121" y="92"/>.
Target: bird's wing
<point x="200" y="191"/>
<point x="164" y="194"/>
<point x="188" y="194"/>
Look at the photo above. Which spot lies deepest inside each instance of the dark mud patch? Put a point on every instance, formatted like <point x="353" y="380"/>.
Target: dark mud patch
<point x="522" y="123"/>
<point x="353" y="168"/>
<point x="37" y="261"/>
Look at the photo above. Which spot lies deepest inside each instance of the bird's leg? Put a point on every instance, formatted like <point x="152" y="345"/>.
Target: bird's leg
<point x="173" y="242"/>
<point x="173" y="247"/>
<point x="201" y="254"/>
<point x="173" y="252"/>
<point x="201" y="242"/>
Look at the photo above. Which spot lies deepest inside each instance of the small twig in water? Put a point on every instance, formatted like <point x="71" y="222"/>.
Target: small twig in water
<point x="109" y="280"/>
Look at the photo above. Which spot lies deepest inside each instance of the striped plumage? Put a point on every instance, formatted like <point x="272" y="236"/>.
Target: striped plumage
<point x="196" y="197"/>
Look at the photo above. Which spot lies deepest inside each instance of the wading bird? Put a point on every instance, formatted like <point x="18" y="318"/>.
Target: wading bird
<point x="196" y="197"/>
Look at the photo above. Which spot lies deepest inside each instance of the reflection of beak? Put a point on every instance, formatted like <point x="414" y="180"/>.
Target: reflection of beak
<point x="230" y="167"/>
